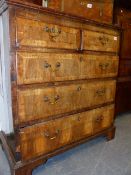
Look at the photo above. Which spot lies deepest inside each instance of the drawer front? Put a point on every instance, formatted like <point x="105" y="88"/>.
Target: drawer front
<point x="48" y="67"/>
<point x="44" y="138"/>
<point x="98" y="66"/>
<point x="39" y="34"/>
<point x="103" y="119"/>
<point x="94" y="10"/>
<point x="46" y="102"/>
<point x="97" y="41"/>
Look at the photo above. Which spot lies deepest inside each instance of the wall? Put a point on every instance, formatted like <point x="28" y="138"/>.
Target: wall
<point x="5" y="98"/>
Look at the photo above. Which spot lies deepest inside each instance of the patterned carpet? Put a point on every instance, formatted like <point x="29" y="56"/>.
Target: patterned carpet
<point x="96" y="157"/>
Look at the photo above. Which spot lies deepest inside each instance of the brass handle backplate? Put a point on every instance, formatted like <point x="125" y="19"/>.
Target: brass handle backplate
<point x="57" y="67"/>
<point x="104" y="66"/>
<point x="104" y="40"/>
<point x="79" y="88"/>
<point x="54" y="32"/>
<point x="52" y="100"/>
<point x="52" y="68"/>
<point x="99" y="119"/>
<point x="49" y="136"/>
<point x="100" y="92"/>
<point x="47" y="65"/>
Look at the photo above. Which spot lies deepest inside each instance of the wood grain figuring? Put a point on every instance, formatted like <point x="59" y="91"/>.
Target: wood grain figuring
<point x="43" y="138"/>
<point x="97" y="41"/>
<point x="97" y="10"/>
<point x="98" y="66"/>
<point x="48" y="67"/>
<point x="39" y="34"/>
<point x="47" y="102"/>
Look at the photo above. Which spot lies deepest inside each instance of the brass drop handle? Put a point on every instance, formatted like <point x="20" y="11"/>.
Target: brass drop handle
<point x="53" y="100"/>
<point x="103" y="40"/>
<point x="100" y="92"/>
<point x="57" y="97"/>
<point x="83" y="3"/>
<point x="46" y="99"/>
<point x="104" y="66"/>
<point x="79" y="88"/>
<point x="47" y="65"/>
<point x="86" y="4"/>
<point x="81" y="59"/>
<point x="53" y="32"/>
<point x="57" y="66"/>
<point x="47" y="134"/>
<point x="79" y="118"/>
<point x="99" y="119"/>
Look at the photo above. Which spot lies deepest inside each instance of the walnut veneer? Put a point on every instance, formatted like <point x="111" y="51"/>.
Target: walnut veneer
<point x="63" y="81"/>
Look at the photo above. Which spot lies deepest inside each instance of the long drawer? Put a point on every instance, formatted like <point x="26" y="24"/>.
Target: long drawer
<point x="48" y="67"/>
<point x="44" y="138"/>
<point x="98" y="10"/>
<point x="42" y="103"/>
<point x="31" y="33"/>
<point x="98" y="41"/>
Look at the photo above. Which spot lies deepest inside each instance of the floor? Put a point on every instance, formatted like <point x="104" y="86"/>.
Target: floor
<point x="96" y="157"/>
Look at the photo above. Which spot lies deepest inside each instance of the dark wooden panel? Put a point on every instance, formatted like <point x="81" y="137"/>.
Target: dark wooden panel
<point x="125" y="68"/>
<point x="123" y="97"/>
<point x="126" y="38"/>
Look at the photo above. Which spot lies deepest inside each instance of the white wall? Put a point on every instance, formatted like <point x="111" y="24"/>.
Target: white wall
<point x="5" y="92"/>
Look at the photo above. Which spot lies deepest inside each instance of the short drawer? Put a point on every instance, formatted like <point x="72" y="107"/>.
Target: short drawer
<point x="98" y="66"/>
<point x="31" y="33"/>
<point x="49" y="67"/>
<point x="43" y="103"/>
<point x="44" y="138"/>
<point x="97" y="41"/>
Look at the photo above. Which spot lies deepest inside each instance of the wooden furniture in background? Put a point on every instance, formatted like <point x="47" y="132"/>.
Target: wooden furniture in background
<point x="97" y="10"/>
<point x="63" y="82"/>
<point x="123" y="100"/>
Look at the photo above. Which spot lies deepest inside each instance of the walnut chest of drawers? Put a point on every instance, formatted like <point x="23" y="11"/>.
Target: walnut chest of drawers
<point x="63" y="72"/>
